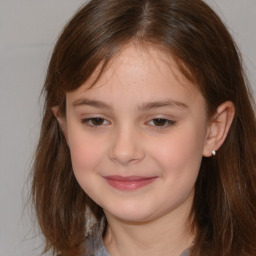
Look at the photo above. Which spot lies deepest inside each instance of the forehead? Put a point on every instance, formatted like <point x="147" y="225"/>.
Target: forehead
<point x="135" y="55"/>
<point x="145" y="71"/>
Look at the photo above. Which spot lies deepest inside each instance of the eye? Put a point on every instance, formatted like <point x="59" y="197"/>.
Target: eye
<point x="95" y="121"/>
<point x="161" y="122"/>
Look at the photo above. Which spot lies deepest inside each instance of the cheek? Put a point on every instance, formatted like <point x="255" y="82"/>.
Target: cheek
<point x="180" y="154"/>
<point x="86" y="152"/>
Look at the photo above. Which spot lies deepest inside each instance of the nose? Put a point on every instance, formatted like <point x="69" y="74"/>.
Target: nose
<point x="126" y="147"/>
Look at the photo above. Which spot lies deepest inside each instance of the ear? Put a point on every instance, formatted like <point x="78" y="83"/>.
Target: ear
<point x="61" y="120"/>
<point x="218" y="127"/>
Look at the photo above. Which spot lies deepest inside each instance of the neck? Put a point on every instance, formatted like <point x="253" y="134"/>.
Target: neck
<point x="152" y="238"/>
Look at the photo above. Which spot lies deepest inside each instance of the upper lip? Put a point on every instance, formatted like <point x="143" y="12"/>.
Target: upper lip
<point x="128" y="178"/>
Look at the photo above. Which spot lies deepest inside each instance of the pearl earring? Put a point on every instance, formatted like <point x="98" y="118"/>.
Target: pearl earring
<point x="213" y="152"/>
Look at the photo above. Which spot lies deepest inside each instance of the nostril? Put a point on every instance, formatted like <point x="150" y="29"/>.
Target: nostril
<point x="124" y="161"/>
<point x="133" y="161"/>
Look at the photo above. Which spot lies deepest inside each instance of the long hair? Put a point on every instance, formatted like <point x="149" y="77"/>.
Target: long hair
<point x="224" y="207"/>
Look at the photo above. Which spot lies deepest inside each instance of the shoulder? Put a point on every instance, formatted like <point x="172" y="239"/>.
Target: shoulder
<point x="186" y="253"/>
<point x="95" y="247"/>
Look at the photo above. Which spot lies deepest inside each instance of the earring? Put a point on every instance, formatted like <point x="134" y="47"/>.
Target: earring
<point x="213" y="152"/>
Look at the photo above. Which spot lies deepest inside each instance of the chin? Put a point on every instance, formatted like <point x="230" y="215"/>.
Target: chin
<point x="131" y="214"/>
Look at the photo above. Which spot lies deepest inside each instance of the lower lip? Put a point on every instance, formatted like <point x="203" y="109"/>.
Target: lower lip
<point x="129" y="184"/>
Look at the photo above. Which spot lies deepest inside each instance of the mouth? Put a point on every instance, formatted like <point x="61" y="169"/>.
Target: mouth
<point x="129" y="182"/>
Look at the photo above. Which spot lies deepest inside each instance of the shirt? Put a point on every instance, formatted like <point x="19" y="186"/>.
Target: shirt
<point x="96" y="247"/>
<point x="94" y="243"/>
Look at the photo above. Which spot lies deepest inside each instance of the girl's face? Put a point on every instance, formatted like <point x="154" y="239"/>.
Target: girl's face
<point x="137" y="137"/>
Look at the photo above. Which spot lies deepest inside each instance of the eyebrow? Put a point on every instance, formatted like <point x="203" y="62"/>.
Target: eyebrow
<point x="91" y="103"/>
<point x="143" y="107"/>
<point x="159" y="104"/>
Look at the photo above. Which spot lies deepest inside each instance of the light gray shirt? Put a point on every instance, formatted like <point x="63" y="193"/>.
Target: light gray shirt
<point x="94" y="244"/>
<point x="96" y="247"/>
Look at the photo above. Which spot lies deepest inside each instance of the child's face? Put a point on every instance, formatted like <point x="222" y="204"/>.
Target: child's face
<point x="137" y="137"/>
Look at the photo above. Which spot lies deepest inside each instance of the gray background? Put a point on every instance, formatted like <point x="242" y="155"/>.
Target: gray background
<point x="28" y="30"/>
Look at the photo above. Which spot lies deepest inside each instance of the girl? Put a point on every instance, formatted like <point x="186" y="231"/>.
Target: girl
<point x="148" y="143"/>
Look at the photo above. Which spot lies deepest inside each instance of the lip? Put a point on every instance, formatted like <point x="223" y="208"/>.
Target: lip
<point x="130" y="182"/>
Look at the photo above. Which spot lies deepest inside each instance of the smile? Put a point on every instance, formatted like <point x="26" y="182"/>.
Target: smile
<point x="130" y="182"/>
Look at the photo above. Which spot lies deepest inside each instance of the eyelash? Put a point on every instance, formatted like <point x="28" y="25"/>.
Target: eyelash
<point x="165" y="123"/>
<point x="89" y="121"/>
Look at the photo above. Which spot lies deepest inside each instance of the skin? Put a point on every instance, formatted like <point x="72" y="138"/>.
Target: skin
<point x="142" y="118"/>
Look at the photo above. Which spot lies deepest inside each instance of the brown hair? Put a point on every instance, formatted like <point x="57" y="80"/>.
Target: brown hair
<point x="224" y="206"/>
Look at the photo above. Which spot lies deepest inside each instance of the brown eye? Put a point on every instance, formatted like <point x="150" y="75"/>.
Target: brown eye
<point x="159" y="121"/>
<point x="95" y="121"/>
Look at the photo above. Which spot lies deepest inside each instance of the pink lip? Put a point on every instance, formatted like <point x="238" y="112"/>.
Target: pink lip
<point x="129" y="182"/>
